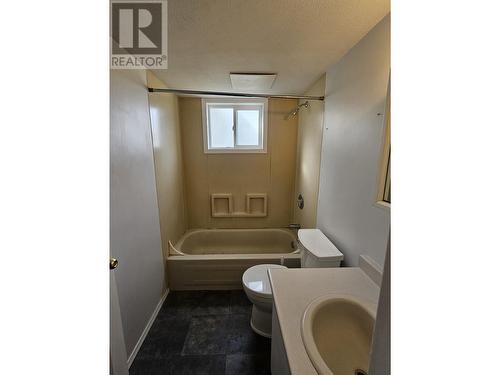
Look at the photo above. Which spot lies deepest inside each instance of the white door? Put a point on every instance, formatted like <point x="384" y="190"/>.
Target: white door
<point x="117" y="353"/>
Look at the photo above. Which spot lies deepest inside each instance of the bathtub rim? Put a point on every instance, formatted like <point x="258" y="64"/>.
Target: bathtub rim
<point x="187" y="257"/>
<point x="175" y="251"/>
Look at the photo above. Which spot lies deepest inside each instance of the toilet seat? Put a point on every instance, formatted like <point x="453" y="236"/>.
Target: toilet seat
<point x="256" y="281"/>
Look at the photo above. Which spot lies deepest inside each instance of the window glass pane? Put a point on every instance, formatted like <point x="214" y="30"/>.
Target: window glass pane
<point x="221" y="127"/>
<point x="387" y="187"/>
<point x="247" y="132"/>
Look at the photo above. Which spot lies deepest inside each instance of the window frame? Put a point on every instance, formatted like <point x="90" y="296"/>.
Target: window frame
<point x="384" y="178"/>
<point x="236" y="104"/>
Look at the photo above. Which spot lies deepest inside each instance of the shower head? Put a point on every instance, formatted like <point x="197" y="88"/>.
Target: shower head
<point x="295" y="111"/>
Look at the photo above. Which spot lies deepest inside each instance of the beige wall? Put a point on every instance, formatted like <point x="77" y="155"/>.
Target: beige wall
<point x="310" y="134"/>
<point x="168" y="163"/>
<point x="272" y="173"/>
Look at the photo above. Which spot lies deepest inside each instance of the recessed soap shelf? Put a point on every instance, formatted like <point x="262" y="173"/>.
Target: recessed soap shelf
<point x="257" y="205"/>
<point x="222" y="205"/>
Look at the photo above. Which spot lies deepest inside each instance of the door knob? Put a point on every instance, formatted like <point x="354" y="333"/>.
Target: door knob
<point x="113" y="263"/>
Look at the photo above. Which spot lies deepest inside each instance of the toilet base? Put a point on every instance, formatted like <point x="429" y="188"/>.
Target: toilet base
<point x="261" y="322"/>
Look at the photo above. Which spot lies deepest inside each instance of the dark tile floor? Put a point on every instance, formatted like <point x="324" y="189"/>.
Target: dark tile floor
<point x="203" y="333"/>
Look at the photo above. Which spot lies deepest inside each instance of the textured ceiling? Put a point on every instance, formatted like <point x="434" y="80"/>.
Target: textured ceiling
<point x="297" y="39"/>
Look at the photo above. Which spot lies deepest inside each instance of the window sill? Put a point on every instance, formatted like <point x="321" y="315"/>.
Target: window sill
<point x="236" y="151"/>
<point x="386" y="206"/>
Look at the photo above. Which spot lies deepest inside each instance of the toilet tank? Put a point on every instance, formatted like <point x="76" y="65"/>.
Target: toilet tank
<point x="317" y="250"/>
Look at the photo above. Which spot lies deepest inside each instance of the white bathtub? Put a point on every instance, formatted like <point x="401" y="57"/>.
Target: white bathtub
<point x="217" y="258"/>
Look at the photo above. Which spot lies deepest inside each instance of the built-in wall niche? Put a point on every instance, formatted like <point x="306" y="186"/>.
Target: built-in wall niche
<point x="222" y="205"/>
<point x="257" y="205"/>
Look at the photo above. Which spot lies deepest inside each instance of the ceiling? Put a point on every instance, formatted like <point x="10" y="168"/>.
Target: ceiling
<point x="297" y="39"/>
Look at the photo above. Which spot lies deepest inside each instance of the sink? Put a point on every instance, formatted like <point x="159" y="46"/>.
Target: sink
<point x="337" y="334"/>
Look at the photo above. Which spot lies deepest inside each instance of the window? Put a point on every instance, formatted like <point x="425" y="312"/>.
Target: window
<point x="384" y="187"/>
<point x="234" y="125"/>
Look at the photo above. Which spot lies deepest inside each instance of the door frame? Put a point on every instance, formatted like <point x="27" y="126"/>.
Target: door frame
<point x="117" y="351"/>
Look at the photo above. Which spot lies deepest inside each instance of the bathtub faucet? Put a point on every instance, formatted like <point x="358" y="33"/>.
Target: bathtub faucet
<point x="294" y="226"/>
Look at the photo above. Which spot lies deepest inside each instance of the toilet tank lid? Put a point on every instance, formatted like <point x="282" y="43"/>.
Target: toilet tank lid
<point x="319" y="245"/>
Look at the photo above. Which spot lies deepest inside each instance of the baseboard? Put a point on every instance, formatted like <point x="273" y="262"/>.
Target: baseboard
<point x="137" y="347"/>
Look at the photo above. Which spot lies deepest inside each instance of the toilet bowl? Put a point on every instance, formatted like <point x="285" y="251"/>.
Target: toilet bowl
<point x="258" y="290"/>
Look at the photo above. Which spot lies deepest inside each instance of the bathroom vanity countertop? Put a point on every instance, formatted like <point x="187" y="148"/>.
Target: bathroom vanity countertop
<point x="293" y="290"/>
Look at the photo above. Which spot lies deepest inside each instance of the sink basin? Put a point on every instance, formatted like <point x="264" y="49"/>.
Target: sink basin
<point x="337" y="334"/>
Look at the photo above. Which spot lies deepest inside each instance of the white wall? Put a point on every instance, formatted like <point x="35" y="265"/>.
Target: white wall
<point x="309" y="137"/>
<point x="380" y="356"/>
<point x="135" y="226"/>
<point x="356" y="89"/>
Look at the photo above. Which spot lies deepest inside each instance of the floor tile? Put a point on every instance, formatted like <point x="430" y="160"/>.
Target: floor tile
<point x="240" y="304"/>
<point x="142" y="366"/>
<point x="242" y="339"/>
<point x="165" y="324"/>
<point x="197" y="365"/>
<point x="207" y="335"/>
<point x="203" y="333"/>
<point x="198" y="302"/>
<point x="165" y="338"/>
<point x="179" y="304"/>
<point x="248" y="364"/>
<point x="213" y="303"/>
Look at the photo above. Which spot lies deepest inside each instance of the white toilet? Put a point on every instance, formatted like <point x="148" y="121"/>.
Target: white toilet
<point x="258" y="290"/>
<point x="317" y="251"/>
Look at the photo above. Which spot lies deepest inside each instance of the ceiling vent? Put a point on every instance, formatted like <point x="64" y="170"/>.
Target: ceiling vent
<point x="252" y="81"/>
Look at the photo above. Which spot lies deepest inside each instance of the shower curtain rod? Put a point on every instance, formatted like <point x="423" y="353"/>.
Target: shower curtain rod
<point x="239" y="94"/>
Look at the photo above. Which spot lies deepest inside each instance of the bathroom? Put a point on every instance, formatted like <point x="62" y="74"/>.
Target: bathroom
<point x="262" y="179"/>
<point x="201" y="187"/>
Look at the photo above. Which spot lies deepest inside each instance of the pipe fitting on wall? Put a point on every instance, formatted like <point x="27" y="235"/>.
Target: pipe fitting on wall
<point x="300" y="201"/>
